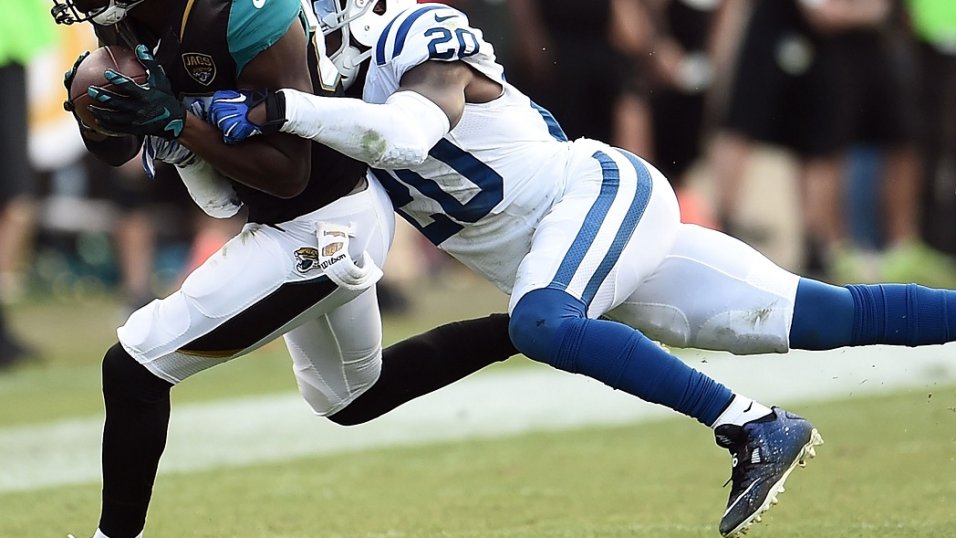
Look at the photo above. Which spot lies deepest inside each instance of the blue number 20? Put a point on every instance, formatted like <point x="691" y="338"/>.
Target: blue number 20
<point x="467" y="43"/>
<point x="489" y="182"/>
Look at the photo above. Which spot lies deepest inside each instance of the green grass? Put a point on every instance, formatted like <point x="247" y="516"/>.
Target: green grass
<point x="887" y="470"/>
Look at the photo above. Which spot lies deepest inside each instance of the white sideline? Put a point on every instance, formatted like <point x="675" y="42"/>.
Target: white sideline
<point x="242" y="431"/>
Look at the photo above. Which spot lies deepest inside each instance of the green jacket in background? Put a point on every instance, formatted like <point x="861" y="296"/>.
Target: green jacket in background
<point x="934" y="21"/>
<point x="26" y="28"/>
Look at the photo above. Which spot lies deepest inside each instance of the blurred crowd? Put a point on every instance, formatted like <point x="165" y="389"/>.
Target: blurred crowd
<point x="856" y="97"/>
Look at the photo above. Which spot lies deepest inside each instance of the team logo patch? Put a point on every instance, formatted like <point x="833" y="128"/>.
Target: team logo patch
<point x="201" y="67"/>
<point x="307" y="259"/>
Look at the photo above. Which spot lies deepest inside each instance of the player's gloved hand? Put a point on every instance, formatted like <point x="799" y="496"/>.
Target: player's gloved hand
<point x="150" y="109"/>
<point x="67" y="83"/>
<point x="229" y="112"/>
<point x="169" y="151"/>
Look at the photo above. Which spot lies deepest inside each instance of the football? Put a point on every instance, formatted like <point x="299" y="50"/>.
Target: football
<point x="91" y="71"/>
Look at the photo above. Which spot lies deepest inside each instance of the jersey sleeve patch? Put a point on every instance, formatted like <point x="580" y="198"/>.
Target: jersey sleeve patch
<point x="256" y="25"/>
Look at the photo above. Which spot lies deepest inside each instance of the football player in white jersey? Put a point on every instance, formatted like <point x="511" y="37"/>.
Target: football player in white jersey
<point x="578" y="233"/>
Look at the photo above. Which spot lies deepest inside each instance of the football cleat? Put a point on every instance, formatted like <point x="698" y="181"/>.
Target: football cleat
<point x="765" y="451"/>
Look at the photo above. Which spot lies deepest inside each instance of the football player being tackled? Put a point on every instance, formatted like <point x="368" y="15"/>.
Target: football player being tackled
<point x="585" y="237"/>
<point x="304" y="267"/>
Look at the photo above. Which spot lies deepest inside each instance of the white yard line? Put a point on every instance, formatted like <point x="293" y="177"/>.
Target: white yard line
<point x="274" y="428"/>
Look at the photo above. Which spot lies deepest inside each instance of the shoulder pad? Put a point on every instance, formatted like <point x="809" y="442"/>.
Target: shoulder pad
<point x="256" y="25"/>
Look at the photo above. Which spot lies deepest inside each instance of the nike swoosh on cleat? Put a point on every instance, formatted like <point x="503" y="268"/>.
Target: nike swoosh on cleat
<point x="443" y="19"/>
<point x="748" y="407"/>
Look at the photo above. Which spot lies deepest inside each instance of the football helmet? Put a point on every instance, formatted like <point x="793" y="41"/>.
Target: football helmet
<point x="360" y="23"/>
<point x="113" y="11"/>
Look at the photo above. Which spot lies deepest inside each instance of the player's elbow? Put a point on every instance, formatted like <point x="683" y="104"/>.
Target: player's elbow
<point x="399" y="159"/>
<point x="289" y="188"/>
<point x="407" y="154"/>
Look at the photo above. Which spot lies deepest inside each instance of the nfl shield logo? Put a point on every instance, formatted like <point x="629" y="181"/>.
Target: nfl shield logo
<point x="200" y="67"/>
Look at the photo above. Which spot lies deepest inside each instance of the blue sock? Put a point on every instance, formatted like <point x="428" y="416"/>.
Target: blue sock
<point x="822" y="316"/>
<point x="551" y="326"/>
<point x="828" y="317"/>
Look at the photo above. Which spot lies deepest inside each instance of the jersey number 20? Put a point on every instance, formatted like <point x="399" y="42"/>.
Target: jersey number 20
<point x="467" y="43"/>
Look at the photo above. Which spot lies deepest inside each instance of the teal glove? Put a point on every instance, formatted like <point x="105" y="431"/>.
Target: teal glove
<point x="68" y="82"/>
<point x="150" y="109"/>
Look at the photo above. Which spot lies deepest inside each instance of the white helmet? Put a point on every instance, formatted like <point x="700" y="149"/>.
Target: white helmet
<point x="66" y="12"/>
<point x="360" y="24"/>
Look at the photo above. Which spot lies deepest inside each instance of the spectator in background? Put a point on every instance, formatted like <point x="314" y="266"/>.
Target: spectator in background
<point x="934" y="26"/>
<point x="816" y="76"/>
<point x="24" y="31"/>
<point x="583" y="65"/>
<point x="681" y="70"/>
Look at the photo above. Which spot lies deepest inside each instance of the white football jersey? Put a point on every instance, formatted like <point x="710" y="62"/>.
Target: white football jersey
<point x="486" y="184"/>
<point x="508" y="196"/>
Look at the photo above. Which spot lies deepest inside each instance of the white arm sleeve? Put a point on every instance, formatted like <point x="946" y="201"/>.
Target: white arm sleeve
<point x="395" y="134"/>
<point x="211" y="191"/>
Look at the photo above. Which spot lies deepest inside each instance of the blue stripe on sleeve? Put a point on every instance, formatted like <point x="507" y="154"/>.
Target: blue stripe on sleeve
<point x="380" y="45"/>
<point x="407" y="25"/>
<point x="553" y="126"/>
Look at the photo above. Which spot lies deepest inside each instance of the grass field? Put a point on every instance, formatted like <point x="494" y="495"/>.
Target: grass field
<point x="888" y="468"/>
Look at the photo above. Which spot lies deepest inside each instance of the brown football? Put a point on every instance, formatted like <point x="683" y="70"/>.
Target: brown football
<point x="91" y="71"/>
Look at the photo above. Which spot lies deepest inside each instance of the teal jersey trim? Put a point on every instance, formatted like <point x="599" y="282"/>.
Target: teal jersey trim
<point x="256" y="25"/>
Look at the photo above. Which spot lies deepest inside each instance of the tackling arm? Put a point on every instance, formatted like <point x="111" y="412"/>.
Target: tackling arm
<point x="396" y="134"/>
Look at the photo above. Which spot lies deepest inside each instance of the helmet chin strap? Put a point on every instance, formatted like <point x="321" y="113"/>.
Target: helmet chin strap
<point x="348" y="62"/>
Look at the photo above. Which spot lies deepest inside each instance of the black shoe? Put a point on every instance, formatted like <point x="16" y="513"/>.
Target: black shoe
<point x="764" y="451"/>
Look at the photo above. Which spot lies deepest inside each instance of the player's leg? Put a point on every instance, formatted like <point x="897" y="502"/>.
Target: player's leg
<point x="607" y="260"/>
<point x="426" y="362"/>
<point x="610" y="230"/>
<point x="134" y="437"/>
<point x="715" y="292"/>
<point x="406" y="370"/>
<point x="259" y="285"/>
<point x="712" y="291"/>
<point x="337" y="355"/>
<point x="828" y="317"/>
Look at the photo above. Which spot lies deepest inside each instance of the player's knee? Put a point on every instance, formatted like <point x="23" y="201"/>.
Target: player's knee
<point x="124" y="377"/>
<point x="331" y="386"/>
<point x="536" y="321"/>
<point x="349" y="417"/>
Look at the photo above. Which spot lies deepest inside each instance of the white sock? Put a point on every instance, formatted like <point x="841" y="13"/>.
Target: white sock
<point x="741" y="411"/>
